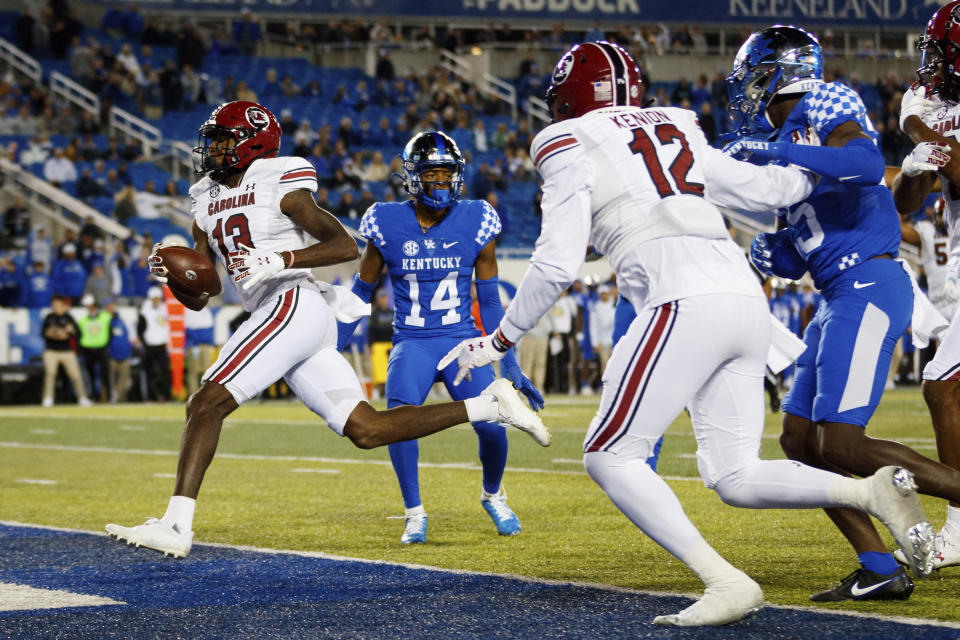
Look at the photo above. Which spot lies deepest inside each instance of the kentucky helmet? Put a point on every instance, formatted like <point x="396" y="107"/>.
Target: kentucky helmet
<point x="940" y="45"/>
<point x="254" y="129"/>
<point x="593" y="75"/>
<point x="778" y="60"/>
<point x="432" y="150"/>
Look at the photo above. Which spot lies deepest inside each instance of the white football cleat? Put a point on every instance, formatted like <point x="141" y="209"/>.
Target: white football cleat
<point x="893" y="500"/>
<point x="154" y="534"/>
<point x="946" y="551"/>
<point x="514" y="413"/>
<point x="415" y="529"/>
<point x="721" y="603"/>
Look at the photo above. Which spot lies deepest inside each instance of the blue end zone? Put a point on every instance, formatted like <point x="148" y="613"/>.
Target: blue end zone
<point x="229" y="593"/>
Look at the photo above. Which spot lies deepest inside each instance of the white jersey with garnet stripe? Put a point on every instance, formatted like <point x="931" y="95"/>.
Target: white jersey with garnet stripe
<point x="944" y="118"/>
<point x="249" y="215"/>
<point x="620" y="177"/>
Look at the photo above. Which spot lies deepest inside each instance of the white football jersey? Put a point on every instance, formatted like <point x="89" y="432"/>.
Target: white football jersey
<point x="944" y="118"/>
<point x="934" y="255"/>
<point x="249" y="215"/>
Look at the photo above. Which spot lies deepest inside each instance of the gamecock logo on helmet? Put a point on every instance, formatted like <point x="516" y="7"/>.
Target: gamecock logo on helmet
<point x="257" y="117"/>
<point x="563" y="68"/>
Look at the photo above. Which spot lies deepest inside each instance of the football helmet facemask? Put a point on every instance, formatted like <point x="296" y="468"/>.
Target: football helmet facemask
<point x="591" y="76"/>
<point x="431" y="150"/>
<point x="940" y="45"/>
<point x="255" y="131"/>
<point x="778" y="60"/>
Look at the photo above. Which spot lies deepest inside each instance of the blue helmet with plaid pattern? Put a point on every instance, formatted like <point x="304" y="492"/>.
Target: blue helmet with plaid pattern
<point x="432" y="150"/>
<point x="778" y="60"/>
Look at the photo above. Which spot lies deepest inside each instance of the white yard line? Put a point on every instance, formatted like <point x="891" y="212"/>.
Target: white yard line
<point x="512" y="576"/>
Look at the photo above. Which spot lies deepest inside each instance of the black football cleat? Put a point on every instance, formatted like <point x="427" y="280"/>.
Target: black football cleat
<point x="864" y="584"/>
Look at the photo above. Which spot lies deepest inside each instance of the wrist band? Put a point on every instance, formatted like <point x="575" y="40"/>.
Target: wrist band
<point x="500" y="343"/>
<point x="291" y="259"/>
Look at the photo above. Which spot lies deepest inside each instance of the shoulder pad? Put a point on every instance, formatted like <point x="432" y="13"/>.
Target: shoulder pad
<point x="551" y="142"/>
<point x="831" y="104"/>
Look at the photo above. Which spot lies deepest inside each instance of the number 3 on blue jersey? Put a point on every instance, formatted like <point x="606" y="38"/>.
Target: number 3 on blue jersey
<point x="444" y="298"/>
<point x="809" y="234"/>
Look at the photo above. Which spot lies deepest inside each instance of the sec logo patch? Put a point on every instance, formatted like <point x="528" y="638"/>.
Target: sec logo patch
<point x="411" y="248"/>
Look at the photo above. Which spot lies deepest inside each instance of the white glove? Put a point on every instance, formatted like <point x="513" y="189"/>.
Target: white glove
<point x="472" y="353"/>
<point x="157" y="271"/>
<point x="951" y="288"/>
<point x="254" y="268"/>
<point x="914" y="103"/>
<point x="926" y="156"/>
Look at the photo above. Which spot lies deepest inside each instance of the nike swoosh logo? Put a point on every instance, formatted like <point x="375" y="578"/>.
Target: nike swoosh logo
<point x="856" y="591"/>
<point x="848" y="178"/>
<point x="447" y="245"/>
<point x="860" y="285"/>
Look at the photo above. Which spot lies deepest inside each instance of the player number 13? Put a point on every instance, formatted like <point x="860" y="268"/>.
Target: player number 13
<point x="445" y="298"/>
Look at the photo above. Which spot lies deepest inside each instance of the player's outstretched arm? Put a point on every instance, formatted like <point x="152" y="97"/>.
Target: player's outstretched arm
<point x="335" y="244"/>
<point x="371" y="262"/>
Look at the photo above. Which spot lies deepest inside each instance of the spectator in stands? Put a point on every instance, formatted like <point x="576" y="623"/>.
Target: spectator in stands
<point x="287" y="124"/>
<point x="384" y="69"/>
<point x="479" y="133"/>
<point x="154" y="333"/>
<point x="190" y="47"/>
<point x="270" y="87"/>
<point x="89" y="151"/>
<point x="348" y="207"/>
<point x="707" y="122"/>
<point x="119" y="350"/>
<point x="88" y="123"/>
<point x="199" y="345"/>
<point x="323" y="199"/>
<point x="246" y="33"/>
<point x="172" y="87"/>
<point x="128" y="60"/>
<point x="88" y="188"/>
<point x="69" y="275"/>
<point x="245" y="93"/>
<point x="594" y="33"/>
<point x="151" y="97"/>
<point x="366" y="200"/>
<point x="37" y="151"/>
<point x="60" y="334"/>
<point x="303" y="139"/>
<point x="41" y="249"/>
<point x="39" y="289"/>
<point x="139" y="276"/>
<point x="113" y="21"/>
<point x="25" y="29"/>
<point x="149" y="203"/>
<point x="533" y="351"/>
<point x="378" y="170"/>
<point x="81" y="61"/>
<point x="192" y="87"/>
<point x="11" y="283"/>
<point x="16" y="225"/>
<point x="99" y="283"/>
<point x="94" y="326"/>
<point x="58" y="169"/>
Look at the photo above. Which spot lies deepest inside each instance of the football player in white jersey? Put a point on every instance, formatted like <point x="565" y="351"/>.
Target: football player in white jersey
<point x="931" y="237"/>
<point x="255" y="212"/>
<point x="641" y="185"/>
<point x="930" y="116"/>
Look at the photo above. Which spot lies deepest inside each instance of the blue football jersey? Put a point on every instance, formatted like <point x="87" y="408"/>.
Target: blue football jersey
<point x="431" y="271"/>
<point x="839" y="224"/>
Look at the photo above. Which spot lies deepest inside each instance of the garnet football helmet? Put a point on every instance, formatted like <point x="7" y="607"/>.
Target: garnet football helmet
<point x="254" y="129"/>
<point x="593" y="75"/>
<point x="432" y="150"/>
<point x="940" y="45"/>
<point x="778" y="60"/>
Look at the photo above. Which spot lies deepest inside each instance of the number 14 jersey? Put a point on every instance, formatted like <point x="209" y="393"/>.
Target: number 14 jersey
<point x="431" y="271"/>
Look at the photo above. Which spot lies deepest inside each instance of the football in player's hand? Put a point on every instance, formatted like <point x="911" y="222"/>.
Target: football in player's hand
<point x="189" y="273"/>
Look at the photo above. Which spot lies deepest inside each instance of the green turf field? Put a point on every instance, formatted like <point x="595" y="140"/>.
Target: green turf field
<point x="282" y="480"/>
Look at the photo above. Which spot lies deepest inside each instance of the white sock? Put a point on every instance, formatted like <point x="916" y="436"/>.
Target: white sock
<point x="953" y="521"/>
<point x="486" y="496"/>
<point x="709" y="565"/>
<point x="482" y="409"/>
<point x="414" y="511"/>
<point x="850" y="492"/>
<point x="180" y="513"/>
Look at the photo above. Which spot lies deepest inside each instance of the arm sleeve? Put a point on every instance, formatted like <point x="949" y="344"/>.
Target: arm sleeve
<point x="747" y="187"/>
<point x="858" y="162"/>
<point x="363" y="290"/>
<point x="491" y="312"/>
<point x="560" y="250"/>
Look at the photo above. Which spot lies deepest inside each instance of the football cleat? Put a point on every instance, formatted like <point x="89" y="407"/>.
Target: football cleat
<point x="155" y="534"/>
<point x="892" y="498"/>
<point x="496" y="506"/>
<point x="415" y="531"/>
<point x="721" y="603"/>
<point x="864" y="584"/>
<point x="946" y="551"/>
<point x="514" y="413"/>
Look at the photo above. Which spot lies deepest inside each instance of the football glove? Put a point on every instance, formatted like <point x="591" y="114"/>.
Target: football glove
<point x="754" y="150"/>
<point x="157" y="271"/>
<point x="761" y="255"/>
<point x="473" y="353"/>
<point x="914" y="103"/>
<point x="926" y="156"/>
<point x="253" y="268"/>
<point x="523" y="384"/>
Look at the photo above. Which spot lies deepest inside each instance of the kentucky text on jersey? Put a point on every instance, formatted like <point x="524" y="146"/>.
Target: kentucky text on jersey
<point x="418" y="264"/>
<point x="639" y="118"/>
<point x="241" y="200"/>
